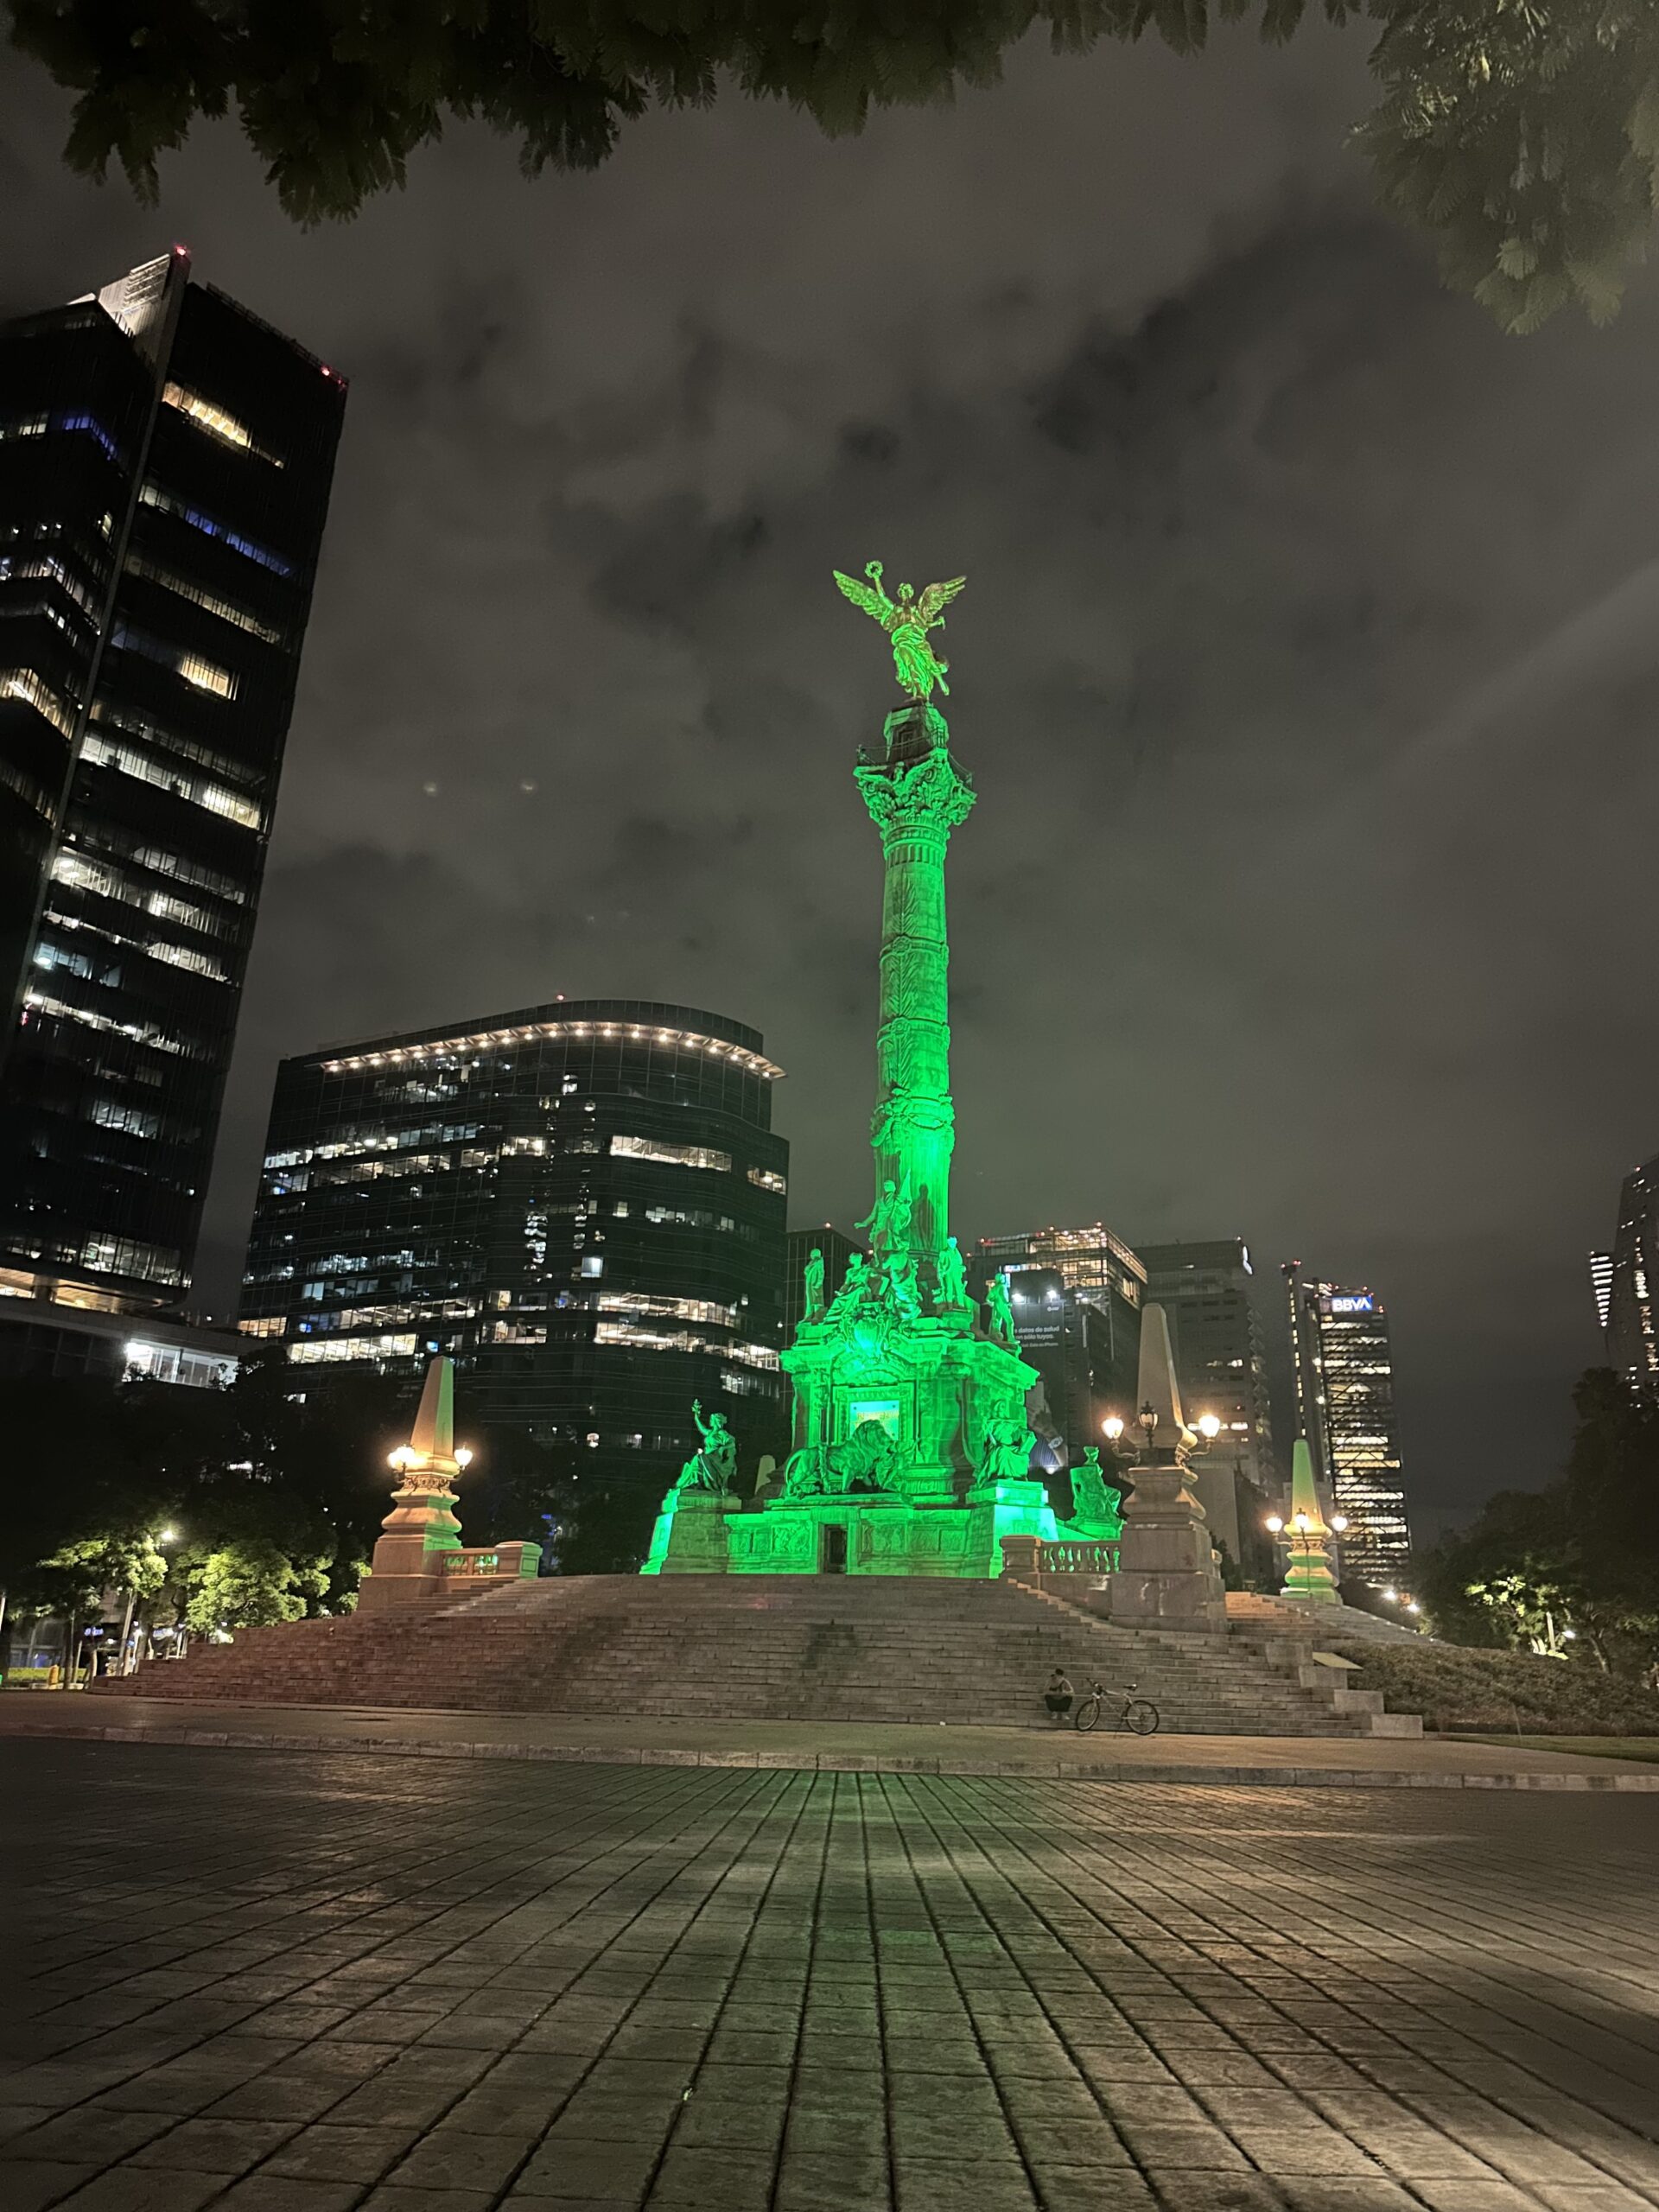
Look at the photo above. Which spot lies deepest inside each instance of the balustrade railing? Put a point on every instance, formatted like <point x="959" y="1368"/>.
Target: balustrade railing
<point x="1031" y="1557"/>
<point x="1076" y="1556"/>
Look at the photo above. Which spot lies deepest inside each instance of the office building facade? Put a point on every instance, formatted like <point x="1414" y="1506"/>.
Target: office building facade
<point x="1208" y="1290"/>
<point x="1629" y="1319"/>
<point x="1076" y="1296"/>
<point x="1217" y="1332"/>
<point x="836" y="1248"/>
<point x="1343" y="1363"/>
<point x="583" y="1203"/>
<point x="165" y="466"/>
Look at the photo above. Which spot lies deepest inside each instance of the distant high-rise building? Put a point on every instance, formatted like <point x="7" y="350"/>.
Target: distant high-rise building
<point x="1343" y="1367"/>
<point x="1601" y="1285"/>
<point x="165" y="466"/>
<point x="1076" y="1296"/>
<point x="799" y="1248"/>
<point x="1208" y="1291"/>
<point x="1632" y="1329"/>
<point x="583" y="1203"/>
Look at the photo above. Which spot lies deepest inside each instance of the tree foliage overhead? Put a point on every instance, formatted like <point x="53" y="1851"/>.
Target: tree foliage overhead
<point x="1523" y="134"/>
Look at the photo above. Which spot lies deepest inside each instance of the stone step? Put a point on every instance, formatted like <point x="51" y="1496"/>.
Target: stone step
<point x="776" y="1647"/>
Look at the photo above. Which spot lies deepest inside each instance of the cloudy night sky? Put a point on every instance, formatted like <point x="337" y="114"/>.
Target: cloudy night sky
<point x="1307" y="668"/>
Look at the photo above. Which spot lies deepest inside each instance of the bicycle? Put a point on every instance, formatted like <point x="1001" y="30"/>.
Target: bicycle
<point x="1138" y="1714"/>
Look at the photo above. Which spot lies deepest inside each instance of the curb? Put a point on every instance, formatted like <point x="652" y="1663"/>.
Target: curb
<point x="1281" y="1777"/>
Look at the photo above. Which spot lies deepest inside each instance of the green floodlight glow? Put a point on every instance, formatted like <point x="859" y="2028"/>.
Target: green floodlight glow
<point x="907" y="620"/>
<point x="911" y="1449"/>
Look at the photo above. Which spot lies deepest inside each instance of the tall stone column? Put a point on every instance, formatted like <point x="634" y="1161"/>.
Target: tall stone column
<point x="916" y="797"/>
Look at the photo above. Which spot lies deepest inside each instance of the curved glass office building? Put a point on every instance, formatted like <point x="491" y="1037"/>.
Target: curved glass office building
<point x="583" y="1202"/>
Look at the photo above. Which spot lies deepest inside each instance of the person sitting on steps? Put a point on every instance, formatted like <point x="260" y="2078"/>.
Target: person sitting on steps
<point x="1058" y="1697"/>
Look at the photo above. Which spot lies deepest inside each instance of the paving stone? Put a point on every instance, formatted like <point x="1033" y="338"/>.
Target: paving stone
<point x="332" y="2152"/>
<point x="928" y="2187"/>
<point x="133" y="2188"/>
<point x="1090" y="2189"/>
<point x="393" y="1994"/>
<point x="277" y="2193"/>
<point x="27" y="2184"/>
<point x="1344" y="2194"/>
<point x="390" y="2198"/>
<point x="572" y="2167"/>
<point x="17" y="2119"/>
<point x="90" y="2135"/>
<point x="449" y="2159"/>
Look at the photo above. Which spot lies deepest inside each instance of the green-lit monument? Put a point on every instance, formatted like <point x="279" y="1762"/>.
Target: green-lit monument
<point x="912" y="1452"/>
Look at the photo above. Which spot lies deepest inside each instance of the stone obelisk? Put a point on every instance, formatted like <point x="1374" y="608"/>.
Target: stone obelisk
<point x="1307" y="1568"/>
<point x="1167" y="1571"/>
<point x="422" y="1524"/>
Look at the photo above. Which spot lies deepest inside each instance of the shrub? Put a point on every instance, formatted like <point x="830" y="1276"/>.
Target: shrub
<point x="1453" y="1687"/>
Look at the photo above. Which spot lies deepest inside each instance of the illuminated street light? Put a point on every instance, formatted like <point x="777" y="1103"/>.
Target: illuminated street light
<point x="1209" y="1427"/>
<point x="1338" y="1521"/>
<point x="1113" y="1428"/>
<point x="1274" y="1524"/>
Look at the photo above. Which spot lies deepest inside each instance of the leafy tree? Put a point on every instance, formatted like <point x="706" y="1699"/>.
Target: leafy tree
<point x="250" y="1584"/>
<point x="1571" y="1570"/>
<point x="76" y="1576"/>
<point x="1522" y="133"/>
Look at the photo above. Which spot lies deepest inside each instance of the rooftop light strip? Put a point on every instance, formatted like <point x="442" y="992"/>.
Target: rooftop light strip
<point x="605" y="1031"/>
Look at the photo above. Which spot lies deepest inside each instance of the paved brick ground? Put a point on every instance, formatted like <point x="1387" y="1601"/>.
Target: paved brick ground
<point x="284" y="1982"/>
<point x="1433" y="1762"/>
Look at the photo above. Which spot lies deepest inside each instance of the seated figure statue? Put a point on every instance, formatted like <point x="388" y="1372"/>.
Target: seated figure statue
<point x="1096" y="1504"/>
<point x="714" y="1465"/>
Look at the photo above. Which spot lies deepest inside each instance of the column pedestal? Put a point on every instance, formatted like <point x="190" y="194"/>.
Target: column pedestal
<point x="1167" y="1573"/>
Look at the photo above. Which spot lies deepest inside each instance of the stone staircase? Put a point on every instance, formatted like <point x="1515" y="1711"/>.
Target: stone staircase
<point x="1333" y="1627"/>
<point x="759" y="1648"/>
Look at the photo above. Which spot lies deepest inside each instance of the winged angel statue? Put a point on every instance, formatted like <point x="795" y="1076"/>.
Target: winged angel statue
<point x="907" y="620"/>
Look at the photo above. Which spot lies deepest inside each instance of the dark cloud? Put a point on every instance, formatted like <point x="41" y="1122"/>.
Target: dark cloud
<point x="1307" y="670"/>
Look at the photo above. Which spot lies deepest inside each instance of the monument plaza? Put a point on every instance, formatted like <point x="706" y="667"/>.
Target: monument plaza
<point x="286" y="1982"/>
<point x="687" y="1953"/>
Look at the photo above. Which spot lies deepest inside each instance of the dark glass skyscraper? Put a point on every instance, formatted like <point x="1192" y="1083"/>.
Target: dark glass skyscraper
<point x="837" y="1248"/>
<point x="165" y="466"/>
<point x="1207" y="1289"/>
<point x="1076" y="1296"/>
<point x="583" y="1203"/>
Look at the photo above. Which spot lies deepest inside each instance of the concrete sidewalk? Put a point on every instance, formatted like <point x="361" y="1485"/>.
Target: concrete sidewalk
<point x="1347" y="1762"/>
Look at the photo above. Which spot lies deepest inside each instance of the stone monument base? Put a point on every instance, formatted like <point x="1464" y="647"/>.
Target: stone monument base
<point x="699" y="1533"/>
<point x="1166" y="1573"/>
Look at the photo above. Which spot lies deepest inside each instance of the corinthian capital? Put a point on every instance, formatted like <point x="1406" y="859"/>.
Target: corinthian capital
<point x="929" y="797"/>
